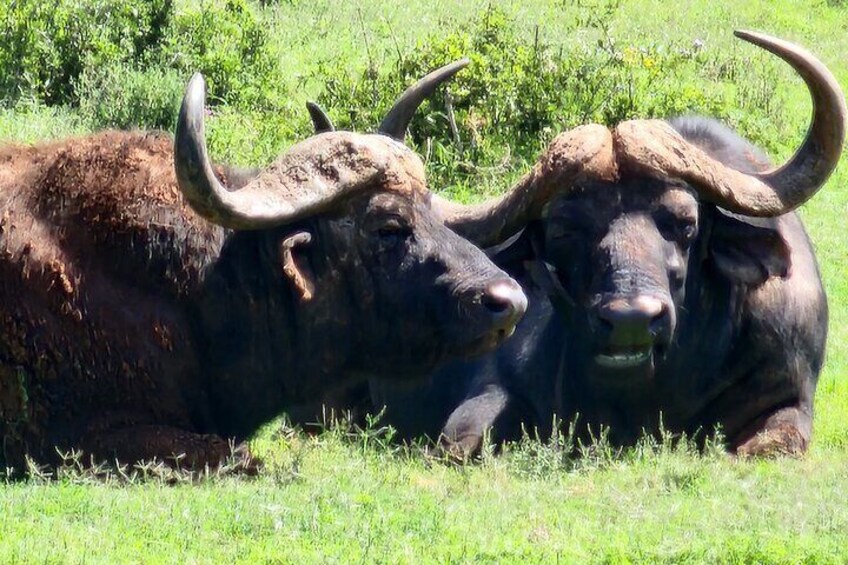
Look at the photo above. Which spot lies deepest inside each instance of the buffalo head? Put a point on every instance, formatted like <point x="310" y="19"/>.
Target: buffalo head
<point x="627" y="221"/>
<point x="349" y="227"/>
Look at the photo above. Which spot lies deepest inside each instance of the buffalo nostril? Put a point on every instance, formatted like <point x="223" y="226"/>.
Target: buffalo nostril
<point x="657" y="324"/>
<point x="652" y="310"/>
<point x="633" y="319"/>
<point x="505" y="300"/>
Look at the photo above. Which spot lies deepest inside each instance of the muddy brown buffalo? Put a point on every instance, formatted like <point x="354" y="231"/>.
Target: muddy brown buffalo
<point x="155" y="305"/>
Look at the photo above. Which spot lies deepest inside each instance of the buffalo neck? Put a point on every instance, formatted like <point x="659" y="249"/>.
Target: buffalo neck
<point x="261" y="348"/>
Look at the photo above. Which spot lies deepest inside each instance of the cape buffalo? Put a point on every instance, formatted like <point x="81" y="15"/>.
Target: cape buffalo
<point x="670" y="284"/>
<point x="156" y="305"/>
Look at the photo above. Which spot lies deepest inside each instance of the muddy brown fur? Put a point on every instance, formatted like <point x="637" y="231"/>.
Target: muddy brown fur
<point x="131" y="328"/>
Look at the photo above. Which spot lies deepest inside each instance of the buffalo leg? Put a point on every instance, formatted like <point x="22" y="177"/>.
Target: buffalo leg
<point x="494" y="410"/>
<point x="173" y="446"/>
<point x="785" y="432"/>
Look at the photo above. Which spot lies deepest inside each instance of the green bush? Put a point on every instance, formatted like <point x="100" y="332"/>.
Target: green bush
<point x="254" y="137"/>
<point x="121" y="61"/>
<point x="229" y="42"/>
<point x="517" y="94"/>
<point x="118" y="96"/>
<point x="124" y="64"/>
<point x="45" y="46"/>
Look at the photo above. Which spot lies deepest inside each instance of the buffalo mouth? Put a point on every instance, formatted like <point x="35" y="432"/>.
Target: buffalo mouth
<point x="638" y="359"/>
<point x="623" y="360"/>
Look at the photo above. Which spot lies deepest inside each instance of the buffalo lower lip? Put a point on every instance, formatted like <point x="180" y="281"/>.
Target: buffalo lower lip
<point x="623" y="360"/>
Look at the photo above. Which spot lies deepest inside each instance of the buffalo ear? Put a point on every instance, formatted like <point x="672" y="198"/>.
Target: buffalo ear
<point x="747" y="250"/>
<point x="297" y="271"/>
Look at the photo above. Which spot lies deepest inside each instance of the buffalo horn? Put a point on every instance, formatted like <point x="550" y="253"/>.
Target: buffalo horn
<point x="306" y="180"/>
<point x="397" y="120"/>
<point x="320" y="120"/>
<point x="656" y="147"/>
<point x="585" y="151"/>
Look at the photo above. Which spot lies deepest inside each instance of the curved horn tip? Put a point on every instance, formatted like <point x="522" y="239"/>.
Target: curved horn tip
<point x="824" y="87"/>
<point x="808" y="169"/>
<point x="758" y="38"/>
<point x="397" y="119"/>
<point x="321" y="122"/>
<point x="190" y="123"/>
<point x="191" y="109"/>
<point x="745" y="34"/>
<point x="459" y="64"/>
<point x="445" y="72"/>
<point x="765" y="41"/>
<point x="196" y="89"/>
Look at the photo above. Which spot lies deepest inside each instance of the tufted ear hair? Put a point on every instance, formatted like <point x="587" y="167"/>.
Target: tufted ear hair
<point x="297" y="271"/>
<point x="747" y="250"/>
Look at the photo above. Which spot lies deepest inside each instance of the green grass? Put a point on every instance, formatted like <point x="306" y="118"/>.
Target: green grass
<point x="342" y="499"/>
<point x="335" y="499"/>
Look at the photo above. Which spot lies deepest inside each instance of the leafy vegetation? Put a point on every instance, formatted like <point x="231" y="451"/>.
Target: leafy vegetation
<point x="537" y="68"/>
<point x="125" y="64"/>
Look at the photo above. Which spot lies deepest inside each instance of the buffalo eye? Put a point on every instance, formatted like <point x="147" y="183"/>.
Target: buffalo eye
<point x="393" y="232"/>
<point x="679" y="230"/>
<point x="688" y="231"/>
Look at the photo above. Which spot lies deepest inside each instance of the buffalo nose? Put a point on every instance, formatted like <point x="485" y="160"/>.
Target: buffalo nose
<point x="506" y="303"/>
<point x="633" y="320"/>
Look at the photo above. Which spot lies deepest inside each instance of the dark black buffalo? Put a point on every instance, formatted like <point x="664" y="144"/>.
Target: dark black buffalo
<point x="670" y="287"/>
<point x="149" y="314"/>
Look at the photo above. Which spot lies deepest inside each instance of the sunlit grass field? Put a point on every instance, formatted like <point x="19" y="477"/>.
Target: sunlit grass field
<point x="350" y="497"/>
